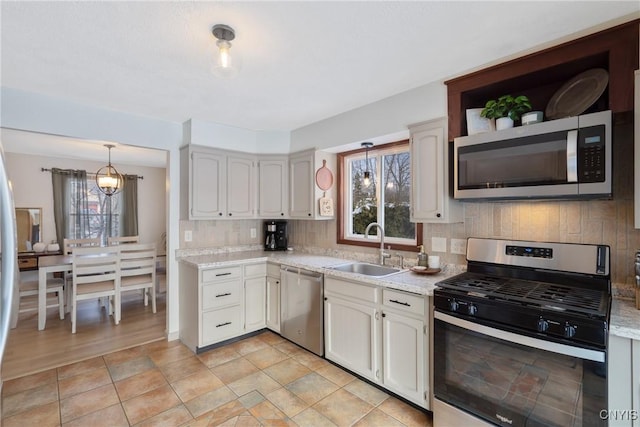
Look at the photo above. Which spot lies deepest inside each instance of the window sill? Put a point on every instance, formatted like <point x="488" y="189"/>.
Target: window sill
<point x="374" y="244"/>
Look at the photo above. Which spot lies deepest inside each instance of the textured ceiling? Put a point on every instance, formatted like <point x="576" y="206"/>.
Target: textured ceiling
<point x="301" y="61"/>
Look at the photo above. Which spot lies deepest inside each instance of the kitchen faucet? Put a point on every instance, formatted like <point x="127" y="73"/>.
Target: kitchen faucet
<point x="383" y="254"/>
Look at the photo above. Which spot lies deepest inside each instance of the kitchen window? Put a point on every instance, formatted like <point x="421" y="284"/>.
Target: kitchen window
<point x="384" y="199"/>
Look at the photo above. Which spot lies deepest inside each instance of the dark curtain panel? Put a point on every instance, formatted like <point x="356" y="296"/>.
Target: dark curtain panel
<point x="129" y="210"/>
<point x="70" y="204"/>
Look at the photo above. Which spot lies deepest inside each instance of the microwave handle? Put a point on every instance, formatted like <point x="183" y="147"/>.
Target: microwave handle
<point x="572" y="156"/>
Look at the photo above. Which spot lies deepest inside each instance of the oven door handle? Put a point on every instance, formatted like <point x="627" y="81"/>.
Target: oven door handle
<point x="554" y="347"/>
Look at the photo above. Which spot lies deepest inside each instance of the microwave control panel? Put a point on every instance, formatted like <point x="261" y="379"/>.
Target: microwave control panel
<point x="591" y="154"/>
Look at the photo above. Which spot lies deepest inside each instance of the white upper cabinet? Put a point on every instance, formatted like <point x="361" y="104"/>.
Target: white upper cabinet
<point x="241" y="186"/>
<point x="216" y="184"/>
<point x="220" y="184"/>
<point x="273" y="187"/>
<point x="202" y="193"/>
<point x="304" y="193"/>
<point x="301" y="185"/>
<point x="430" y="195"/>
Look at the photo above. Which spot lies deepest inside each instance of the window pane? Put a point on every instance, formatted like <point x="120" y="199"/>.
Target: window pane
<point x="102" y="224"/>
<point x="397" y="189"/>
<point x="363" y="198"/>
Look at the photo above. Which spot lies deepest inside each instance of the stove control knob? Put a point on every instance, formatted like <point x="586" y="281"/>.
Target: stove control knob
<point x="472" y="309"/>
<point x="569" y="331"/>
<point x="543" y="325"/>
<point x="453" y="305"/>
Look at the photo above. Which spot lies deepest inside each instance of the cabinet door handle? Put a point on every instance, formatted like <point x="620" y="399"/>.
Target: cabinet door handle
<point x="223" y="274"/>
<point x="223" y="324"/>
<point x="219" y="213"/>
<point x="400" y="302"/>
<point x="223" y="295"/>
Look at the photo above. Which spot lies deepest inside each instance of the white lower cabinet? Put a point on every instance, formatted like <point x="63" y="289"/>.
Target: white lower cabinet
<point x="403" y="355"/>
<point x="273" y="297"/>
<point x="351" y="336"/>
<point x="624" y="381"/>
<point x="217" y="304"/>
<point x="255" y="296"/>
<point x="379" y="334"/>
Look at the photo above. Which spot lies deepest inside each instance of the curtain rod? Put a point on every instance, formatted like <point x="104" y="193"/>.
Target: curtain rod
<point x="88" y="173"/>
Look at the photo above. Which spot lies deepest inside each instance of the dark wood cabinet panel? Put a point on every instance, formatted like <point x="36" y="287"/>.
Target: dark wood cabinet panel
<point x="539" y="75"/>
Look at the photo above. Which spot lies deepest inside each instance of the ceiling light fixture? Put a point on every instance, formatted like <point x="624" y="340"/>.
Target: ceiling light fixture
<point x="225" y="65"/>
<point x="108" y="178"/>
<point x="367" y="175"/>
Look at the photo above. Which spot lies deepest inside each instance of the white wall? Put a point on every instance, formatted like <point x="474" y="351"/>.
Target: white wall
<point x="374" y="121"/>
<point x="216" y="135"/>
<point x="32" y="189"/>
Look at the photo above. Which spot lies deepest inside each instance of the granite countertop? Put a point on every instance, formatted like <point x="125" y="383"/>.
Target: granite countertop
<point x="625" y="319"/>
<point x="405" y="280"/>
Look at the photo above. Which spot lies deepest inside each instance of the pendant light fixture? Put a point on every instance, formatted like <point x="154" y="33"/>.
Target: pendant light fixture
<point x="367" y="175"/>
<point x="225" y="65"/>
<point x="108" y="178"/>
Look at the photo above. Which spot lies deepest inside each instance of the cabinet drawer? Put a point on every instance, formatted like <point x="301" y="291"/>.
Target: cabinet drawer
<point x="218" y="325"/>
<point x="253" y="270"/>
<point x="221" y="294"/>
<point x="360" y="292"/>
<point x="220" y="274"/>
<point x="403" y="301"/>
<point x="25" y="263"/>
<point x="273" y="270"/>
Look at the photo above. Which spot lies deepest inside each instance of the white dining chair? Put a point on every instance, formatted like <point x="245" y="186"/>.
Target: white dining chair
<point x="120" y="240"/>
<point x="67" y="247"/>
<point x="54" y="285"/>
<point x="95" y="274"/>
<point x="69" y="244"/>
<point x="138" y="270"/>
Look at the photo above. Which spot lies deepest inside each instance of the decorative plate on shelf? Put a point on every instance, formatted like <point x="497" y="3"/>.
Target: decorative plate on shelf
<point x="423" y="270"/>
<point x="578" y="94"/>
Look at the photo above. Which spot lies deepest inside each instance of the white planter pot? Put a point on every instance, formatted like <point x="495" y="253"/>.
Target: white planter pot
<point x="504" y="123"/>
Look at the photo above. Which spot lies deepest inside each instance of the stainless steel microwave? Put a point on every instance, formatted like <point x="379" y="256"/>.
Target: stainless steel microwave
<point x="559" y="159"/>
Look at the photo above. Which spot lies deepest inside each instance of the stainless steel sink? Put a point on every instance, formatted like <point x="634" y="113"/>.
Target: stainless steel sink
<point x="366" y="269"/>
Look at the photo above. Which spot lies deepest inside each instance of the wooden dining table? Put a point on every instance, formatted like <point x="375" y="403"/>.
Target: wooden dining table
<point x="46" y="265"/>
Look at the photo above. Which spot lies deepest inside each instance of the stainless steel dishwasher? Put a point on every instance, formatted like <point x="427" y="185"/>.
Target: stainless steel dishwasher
<point x="301" y="308"/>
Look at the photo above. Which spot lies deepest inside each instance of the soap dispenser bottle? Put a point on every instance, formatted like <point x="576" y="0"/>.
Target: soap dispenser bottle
<point x="422" y="257"/>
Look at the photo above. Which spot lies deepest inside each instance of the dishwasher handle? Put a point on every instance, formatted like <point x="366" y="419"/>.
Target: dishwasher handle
<point x="311" y="274"/>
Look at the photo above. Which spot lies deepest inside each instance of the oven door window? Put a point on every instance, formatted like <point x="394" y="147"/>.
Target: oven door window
<point x="513" y="384"/>
<point x="535" y="160"/>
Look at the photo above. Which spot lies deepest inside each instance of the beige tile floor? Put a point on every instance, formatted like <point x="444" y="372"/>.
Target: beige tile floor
<point x="262" y="380"/>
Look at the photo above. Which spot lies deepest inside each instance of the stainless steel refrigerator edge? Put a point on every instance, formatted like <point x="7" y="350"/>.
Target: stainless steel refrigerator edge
<point x="301" y="308"/>
<point x="8" y="250"/>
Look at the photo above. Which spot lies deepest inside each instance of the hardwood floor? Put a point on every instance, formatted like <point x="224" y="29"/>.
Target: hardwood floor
<point x="29" y="351"/>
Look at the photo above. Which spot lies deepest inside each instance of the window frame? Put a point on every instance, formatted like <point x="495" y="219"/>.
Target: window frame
<point x="342" y="197"/>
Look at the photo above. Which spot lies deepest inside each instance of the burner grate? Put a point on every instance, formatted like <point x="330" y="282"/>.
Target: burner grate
<point x="532" y="293"/>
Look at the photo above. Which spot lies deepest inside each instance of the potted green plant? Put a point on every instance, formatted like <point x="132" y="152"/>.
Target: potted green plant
<point x="506" y="110"/>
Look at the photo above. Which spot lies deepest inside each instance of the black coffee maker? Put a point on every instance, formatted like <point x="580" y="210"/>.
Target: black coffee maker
<point x="275" y="235"/>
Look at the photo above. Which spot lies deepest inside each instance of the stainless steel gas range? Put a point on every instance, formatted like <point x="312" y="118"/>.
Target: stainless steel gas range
<point x="520" y="339"/>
